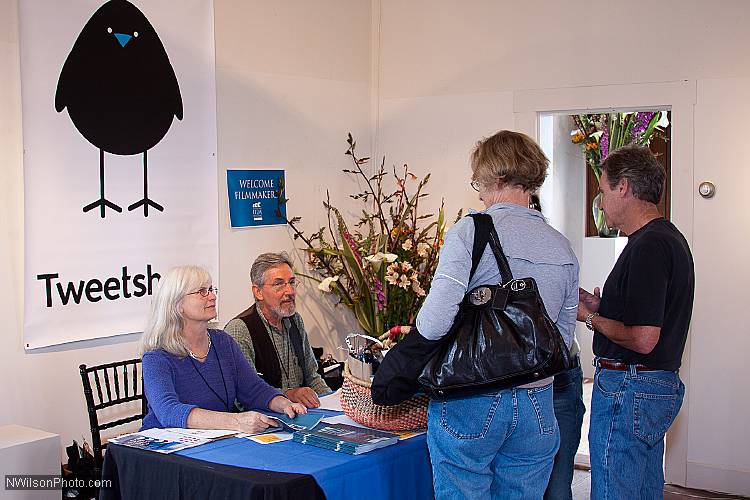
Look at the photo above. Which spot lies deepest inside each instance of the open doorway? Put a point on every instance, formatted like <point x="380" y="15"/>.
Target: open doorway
<point x="576" y="143"/>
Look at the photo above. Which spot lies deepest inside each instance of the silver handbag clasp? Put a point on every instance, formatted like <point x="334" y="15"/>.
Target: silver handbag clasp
<point x="480" y="296"/>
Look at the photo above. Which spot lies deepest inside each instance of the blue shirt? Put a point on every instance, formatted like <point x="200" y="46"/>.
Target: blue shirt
<point x="174" y="386"/>
<point x="533" y="248"/>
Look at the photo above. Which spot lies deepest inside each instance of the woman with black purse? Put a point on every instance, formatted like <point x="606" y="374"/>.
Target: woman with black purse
<point x="499" y="443"/>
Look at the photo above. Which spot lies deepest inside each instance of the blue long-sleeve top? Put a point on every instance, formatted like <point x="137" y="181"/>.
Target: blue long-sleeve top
<point x="174" y="385"/>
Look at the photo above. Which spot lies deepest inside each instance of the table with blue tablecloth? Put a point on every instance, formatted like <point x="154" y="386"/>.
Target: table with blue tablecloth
<point x="240" y="468"/>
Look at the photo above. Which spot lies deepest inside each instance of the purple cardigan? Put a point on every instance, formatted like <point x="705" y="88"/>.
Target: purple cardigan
<point x="174" y="386"/>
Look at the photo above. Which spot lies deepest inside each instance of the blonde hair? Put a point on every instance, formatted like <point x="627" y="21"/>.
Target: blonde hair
<point x="164" y="326"/>
<point x="509" y="158"/>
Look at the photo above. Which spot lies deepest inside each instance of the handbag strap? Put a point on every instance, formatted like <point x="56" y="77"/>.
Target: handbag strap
<point x="484" y="233"/>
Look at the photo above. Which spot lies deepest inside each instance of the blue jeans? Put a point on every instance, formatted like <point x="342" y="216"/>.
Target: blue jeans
<point x="495" y="445"/>
<point x="569" y="411"/>
<point x="631" y="412"/>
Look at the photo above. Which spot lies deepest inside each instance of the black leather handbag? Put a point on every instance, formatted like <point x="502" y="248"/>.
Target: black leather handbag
<point x="502" y="336"/>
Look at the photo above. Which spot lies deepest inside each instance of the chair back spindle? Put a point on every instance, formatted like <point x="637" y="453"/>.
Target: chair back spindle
<point x="130" y="390"/>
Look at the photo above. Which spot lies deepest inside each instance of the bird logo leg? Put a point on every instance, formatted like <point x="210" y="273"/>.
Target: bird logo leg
<point x="145" y="202"/>
<point x="102" y="202"/>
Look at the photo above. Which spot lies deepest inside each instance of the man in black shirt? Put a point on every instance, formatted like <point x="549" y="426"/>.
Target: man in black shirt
<point x="640" y="326"/>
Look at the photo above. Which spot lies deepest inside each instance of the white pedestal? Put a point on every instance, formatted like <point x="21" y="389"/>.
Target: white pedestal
<point x="599" y="257"/>
<point x="24" y="450"/>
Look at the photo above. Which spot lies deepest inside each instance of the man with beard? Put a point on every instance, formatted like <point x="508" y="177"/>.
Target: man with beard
<point x="272" y="335"/>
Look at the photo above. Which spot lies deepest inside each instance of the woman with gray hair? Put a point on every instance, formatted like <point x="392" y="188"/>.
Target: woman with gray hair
<point x="192" y="375"/>
<point x="500" y="444"/>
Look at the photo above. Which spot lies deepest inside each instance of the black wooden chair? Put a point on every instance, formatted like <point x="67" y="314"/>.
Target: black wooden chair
<point x="113" y="384"/>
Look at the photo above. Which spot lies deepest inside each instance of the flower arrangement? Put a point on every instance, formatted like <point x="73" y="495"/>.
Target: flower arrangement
<point x="598" y="134"/>
<point x="381" y="265"/>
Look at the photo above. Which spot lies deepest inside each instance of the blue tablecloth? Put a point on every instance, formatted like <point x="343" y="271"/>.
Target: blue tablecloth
<point x="398" y="471"/>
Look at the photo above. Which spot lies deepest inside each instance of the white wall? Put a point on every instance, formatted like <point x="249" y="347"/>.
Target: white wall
<point x="454" y="66"/>
<point x="436" y="135"/>
<point x="292" y="79"/>
<point x="449" y="47"/>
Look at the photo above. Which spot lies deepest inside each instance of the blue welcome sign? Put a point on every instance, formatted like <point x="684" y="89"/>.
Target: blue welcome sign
<point x="254" y="197"/>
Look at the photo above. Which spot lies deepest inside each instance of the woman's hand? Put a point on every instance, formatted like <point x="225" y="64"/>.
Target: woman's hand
<point x="253" y="422"/>
<point x="295" y="409"/>
<point x="283" y="405"/>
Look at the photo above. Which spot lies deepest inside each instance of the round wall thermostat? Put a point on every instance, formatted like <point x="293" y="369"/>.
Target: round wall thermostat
<point x="707" y="189"/>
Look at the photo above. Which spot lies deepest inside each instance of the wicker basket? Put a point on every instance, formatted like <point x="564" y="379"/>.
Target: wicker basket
<point x="356" y="401"/>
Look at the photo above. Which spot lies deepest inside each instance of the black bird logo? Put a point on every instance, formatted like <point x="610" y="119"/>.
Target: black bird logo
<point x="120" y="90"/>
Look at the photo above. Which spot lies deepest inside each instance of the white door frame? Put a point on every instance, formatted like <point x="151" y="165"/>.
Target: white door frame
<point x="680" y="98"/>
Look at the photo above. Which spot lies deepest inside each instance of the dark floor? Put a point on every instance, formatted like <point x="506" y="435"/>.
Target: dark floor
<point x="582" y="490"/>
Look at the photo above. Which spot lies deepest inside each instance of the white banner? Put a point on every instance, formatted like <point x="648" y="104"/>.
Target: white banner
<point x="120" y="177"/>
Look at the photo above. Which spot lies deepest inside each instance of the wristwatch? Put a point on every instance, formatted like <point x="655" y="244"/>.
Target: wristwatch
<point x="590" y="321"/>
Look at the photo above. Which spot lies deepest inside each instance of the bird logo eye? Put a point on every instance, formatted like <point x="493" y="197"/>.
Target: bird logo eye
<point x="109" y="30"/>
<point x="135" y="34"/>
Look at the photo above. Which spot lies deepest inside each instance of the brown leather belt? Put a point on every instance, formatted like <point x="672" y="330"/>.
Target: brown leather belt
<point x="619" y="366"/>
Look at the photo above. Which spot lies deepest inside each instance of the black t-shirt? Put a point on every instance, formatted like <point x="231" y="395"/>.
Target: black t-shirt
<point x="652" y="284"/>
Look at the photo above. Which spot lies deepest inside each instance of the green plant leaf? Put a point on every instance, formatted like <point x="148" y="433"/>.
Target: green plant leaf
<point x="363" y="318"/>
<point x="646" y="136"/>
<point x="427" y="228"/>
<point x="627" y="127"/>
<point x="330" y="251"/>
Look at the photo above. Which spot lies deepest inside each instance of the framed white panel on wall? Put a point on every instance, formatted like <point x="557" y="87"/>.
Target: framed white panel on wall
<point x="120" y="173"/>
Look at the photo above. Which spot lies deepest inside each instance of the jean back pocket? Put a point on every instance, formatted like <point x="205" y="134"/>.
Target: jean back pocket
<point x="653" y="414"/>
<point x="541" y="400"/>
<point x="468" y="418"/>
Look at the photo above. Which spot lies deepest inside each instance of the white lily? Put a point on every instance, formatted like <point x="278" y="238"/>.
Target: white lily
<point x="376" y="259"/>
<point x="663" y="120"/>
<point x="325" y="285"/>
<point x="389" y="257"/>
<point x="380" y="257"/>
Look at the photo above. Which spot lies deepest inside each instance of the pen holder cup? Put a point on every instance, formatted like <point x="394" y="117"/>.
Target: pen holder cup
<point x="364" y="355"/>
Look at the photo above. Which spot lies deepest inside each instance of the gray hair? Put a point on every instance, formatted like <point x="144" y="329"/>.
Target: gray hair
<point x="164" y="326"/>
<point x="266" y="261"/>
<point x="639" y="166"/>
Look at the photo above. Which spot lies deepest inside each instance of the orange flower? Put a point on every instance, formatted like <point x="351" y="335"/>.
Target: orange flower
<point x="591" y="145"/>
<point x="579" y="137"/>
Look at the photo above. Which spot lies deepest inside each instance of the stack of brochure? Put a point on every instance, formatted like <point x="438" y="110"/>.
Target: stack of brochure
<point x="345" y="438"/>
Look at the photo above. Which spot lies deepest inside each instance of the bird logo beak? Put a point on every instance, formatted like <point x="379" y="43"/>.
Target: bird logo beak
<point x="123" y="38"/>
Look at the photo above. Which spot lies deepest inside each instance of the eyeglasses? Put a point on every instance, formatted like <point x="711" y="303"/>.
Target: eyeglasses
<point x="203" y="291"/>
<point x="279" y="285"/>
<point x="476" y="186"/>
